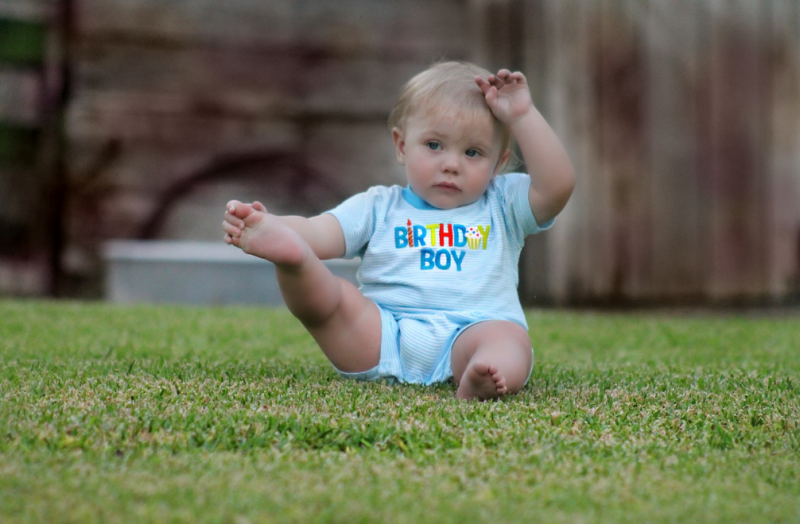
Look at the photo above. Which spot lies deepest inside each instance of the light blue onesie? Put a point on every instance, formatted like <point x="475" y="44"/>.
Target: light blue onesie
<point x="435" y="272"/>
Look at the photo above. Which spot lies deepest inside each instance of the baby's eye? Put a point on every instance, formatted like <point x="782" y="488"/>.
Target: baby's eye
<point x="472" y="153"/>
<point x="434" y="146"/>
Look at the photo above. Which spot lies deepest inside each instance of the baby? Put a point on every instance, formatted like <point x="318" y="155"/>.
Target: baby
<point x="438" y="278"/>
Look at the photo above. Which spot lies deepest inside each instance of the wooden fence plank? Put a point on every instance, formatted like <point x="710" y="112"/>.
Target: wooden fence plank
<point x="783" y="114"/>
<point x="568" y="109"/>
<point x="620" y="81"/>
<point x="596" y="264"/>
<point x="497" y="34"/>
<point x="735" y="158"/>
<point x="535" y="270"/>
<point x="673" y="49"/>
<point x="635" y="170"/>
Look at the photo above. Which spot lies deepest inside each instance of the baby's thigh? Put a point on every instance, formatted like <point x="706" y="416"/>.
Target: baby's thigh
<point x="502" y="343"/>
<point x="351" y="336"/>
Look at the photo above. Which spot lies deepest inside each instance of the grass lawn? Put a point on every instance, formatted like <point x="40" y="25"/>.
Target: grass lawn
<point x="169" y="414"/>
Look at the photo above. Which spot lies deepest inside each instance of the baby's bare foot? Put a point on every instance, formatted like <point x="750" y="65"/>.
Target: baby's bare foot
<point x="481" y="381"/>
<point x="251" y="228"/>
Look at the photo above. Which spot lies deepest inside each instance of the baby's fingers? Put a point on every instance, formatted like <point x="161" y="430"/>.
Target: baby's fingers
<point x="495" y="81"/>
<point x="488" y="89"/>
<point x="505" y="77"/>
<point x="500" y="79"/>
<point x="514" y="78"/>
<point x="483" y="84"/>
<point x="517" y="78"/>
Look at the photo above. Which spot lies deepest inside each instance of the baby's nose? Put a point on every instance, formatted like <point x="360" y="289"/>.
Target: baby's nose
<point x="450" y="163"/>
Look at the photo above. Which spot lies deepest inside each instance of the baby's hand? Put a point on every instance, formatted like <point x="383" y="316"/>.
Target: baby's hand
<point x="507" y="95"/>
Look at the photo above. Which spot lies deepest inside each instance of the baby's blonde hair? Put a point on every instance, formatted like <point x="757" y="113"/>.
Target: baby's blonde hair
<point x="443" y="86"/>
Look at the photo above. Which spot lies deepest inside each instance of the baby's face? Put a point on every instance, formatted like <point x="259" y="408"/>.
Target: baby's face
<point x="449" y="161"/>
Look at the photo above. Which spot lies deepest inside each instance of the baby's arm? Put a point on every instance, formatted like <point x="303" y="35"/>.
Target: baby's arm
<point x="322" y="233"/>
<point x="552" y="174"/>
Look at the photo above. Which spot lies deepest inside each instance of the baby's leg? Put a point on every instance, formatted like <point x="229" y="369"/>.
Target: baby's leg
<point x="345" y="324"/>
<point x="491" y="359"/>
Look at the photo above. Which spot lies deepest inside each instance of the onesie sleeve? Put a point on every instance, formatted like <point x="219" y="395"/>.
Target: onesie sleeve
<point x="514" y="189"/>
<point x="357" y="215"/>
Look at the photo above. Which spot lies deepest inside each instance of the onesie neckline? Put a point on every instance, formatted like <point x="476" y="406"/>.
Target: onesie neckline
<point x="415" y="201"/>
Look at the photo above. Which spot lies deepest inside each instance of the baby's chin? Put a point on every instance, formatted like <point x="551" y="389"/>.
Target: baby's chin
<point x="449" y="203"/>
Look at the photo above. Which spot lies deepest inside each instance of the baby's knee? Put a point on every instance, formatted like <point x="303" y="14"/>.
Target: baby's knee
<point x="516" y="385"/>
<point x="516" y="365"/>
<point x="507" y="333"/>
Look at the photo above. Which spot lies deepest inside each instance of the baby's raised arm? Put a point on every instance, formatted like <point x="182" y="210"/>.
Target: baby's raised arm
<point x="322" y="233"/>
<point x="552" y="174"/>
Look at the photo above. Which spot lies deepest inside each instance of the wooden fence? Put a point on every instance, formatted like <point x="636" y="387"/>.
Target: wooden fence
<point x="183" y="105"/>
<point x="682" y="117"/>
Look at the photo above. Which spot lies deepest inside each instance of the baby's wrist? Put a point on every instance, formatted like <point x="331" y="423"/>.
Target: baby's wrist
<point x="523" y="119"/>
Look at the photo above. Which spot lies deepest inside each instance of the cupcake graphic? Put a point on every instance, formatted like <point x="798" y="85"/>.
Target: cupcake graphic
<point x="474" y="238"/>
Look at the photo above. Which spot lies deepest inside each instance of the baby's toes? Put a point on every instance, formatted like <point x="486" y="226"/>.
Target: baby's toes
<point x="501" y="384"/>
<point x="496" y="375"/>
<point x="239" y="210"/>
<point x="231" y="230"/>
<point x="231" y="206"/>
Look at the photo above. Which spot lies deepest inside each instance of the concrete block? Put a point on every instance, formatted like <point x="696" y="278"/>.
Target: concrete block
<point x="192" y="272"/>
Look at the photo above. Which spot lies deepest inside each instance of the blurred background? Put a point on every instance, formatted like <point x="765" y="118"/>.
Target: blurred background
<point x="139" y="119"/>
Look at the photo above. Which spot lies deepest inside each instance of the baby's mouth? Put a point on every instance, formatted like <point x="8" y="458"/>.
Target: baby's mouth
<point x="448" y="186"/>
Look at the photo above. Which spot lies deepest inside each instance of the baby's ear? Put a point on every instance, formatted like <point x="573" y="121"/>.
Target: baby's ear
<point x="399" y="145"/>
<point x="503" y="161"/>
